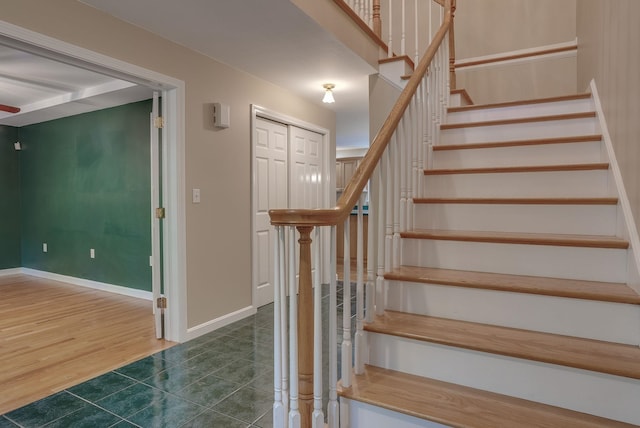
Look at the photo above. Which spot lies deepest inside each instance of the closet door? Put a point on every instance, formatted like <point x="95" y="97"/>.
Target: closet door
<point x="306" y="180"/>
<point x="270" y="190"/>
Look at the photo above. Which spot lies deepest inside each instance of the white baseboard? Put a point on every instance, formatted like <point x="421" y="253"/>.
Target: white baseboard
<point x="12" y="271"/>
<point x="217" y="323"/>
<point x="111" y="288"/>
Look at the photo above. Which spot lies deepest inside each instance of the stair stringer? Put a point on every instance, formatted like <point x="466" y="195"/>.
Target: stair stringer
<point x="626" y="224"/>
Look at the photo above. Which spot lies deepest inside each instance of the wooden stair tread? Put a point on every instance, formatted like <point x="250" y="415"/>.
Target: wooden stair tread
<point x="519" y="201"/>
<point x="395" y="58"/>
<point x="603" y="357"/>
<point x="463" y="93"/>
<point x="516" y="143"/>
<point x="568" y="116"/>
<point x="460" y="406"/>
<point x="571" y="288"/>
<point x="524" y="168"/>
<point x="554" y="239"/>
<point x="520" y="103"/>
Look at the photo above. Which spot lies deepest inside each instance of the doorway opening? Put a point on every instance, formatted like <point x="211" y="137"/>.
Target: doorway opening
<point x="172" y="95"/>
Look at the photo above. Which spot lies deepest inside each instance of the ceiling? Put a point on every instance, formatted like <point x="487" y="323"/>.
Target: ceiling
<point x="44" y="89"/>
<point x="273" y="40"/>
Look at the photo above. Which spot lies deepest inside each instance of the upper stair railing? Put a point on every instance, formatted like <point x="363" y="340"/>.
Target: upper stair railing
<point x="402" y="27"/>
<point x="394" y="167"/>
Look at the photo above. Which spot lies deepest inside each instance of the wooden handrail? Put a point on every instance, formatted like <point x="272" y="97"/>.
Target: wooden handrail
<point x="363" y="25"/>
<point x="349" y="198"/>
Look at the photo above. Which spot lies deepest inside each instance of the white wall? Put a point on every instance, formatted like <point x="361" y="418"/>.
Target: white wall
<point x="608" y="51"/>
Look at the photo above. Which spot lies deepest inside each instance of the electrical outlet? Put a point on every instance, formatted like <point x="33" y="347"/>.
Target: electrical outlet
<point x="195" y="196"/>
<point x="92" y="253"/>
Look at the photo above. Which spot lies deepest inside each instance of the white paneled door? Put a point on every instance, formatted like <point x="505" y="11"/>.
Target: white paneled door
<point x="306" y="178"/>
<point x="288" y="173"/>
<point x="270" y="191"/>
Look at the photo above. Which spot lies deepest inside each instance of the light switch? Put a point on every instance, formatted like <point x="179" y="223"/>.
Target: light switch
<point x="45" y="248"/>
<point x="195" y="196"/>
<point x="92" y="253"/>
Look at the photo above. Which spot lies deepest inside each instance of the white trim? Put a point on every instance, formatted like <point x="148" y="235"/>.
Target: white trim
<point x="12" y="271"/>
<point x="351" y="152"/>
<point x="328" y="190"/>
<point x="96" y="285"/>
<point x="566" y="54"/>
<point x="628" y="226"/>
<point x="220" y="322"/>
<point x="174" y="92"/>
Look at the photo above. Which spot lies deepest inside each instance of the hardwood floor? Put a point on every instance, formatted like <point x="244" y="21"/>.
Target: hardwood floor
<point x="54" y="335"/>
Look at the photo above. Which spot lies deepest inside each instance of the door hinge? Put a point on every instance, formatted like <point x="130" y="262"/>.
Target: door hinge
<point x="158" y="122"/>
<point x="161" y="303"/>
<point x="160" y="213"/>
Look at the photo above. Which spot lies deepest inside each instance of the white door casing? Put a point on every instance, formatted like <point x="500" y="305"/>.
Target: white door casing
<point x="156" y="282"/>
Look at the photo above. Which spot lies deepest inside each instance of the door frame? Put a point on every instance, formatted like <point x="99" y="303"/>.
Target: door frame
<point x="173" y="92"/>
<point x="327" y="201"/>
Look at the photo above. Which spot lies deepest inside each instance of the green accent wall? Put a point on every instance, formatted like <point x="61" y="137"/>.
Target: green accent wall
<point x="85" y="183"/>
<point x="9" y="199"/>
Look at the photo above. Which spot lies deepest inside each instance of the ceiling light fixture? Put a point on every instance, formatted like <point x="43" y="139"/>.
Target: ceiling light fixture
<point x="328" y="95"/>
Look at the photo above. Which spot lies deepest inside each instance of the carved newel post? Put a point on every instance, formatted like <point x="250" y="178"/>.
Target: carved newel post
<point x="305" y="329"/>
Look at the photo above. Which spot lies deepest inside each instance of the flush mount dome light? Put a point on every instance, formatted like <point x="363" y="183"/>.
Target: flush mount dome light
<point x="328" y="95"/>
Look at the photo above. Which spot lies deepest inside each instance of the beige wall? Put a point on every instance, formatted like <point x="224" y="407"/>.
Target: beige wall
<point x="486" y="27"/>
<point x="217" y="161"/>
<point x="608" y="51"/>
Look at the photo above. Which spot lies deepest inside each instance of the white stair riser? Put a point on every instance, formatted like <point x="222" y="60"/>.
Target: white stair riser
<point x="393" y="72"/>
<point x="549" y="184"/>
<point x="544" y="154"/>
<point x="603" y="395"/>
<point x="611" y="322"/>
<point x="457" y="100"/>
<point x="366" y="415"/>
<point x="519" y="131"/>
<point x="589" y="264"/>
<point x="528" y="110"/>
<point x="571" y="219"/>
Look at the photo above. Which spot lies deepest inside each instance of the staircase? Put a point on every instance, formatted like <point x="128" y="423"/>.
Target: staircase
<point x="510" y="305"/>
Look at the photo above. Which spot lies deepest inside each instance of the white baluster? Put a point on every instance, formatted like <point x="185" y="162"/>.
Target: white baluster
<point x="332" y="406"/>
<point x="402" y="161"/>
<point x="395" y="153"/>
<point x="359" y="336"/>
<point x="390" y="43"/>
<point x="382" y="212"/>
<point x="346" y="307"/>
<point x="416" y="32"/>
<point x="278" y="406"/>
<point x="294" y="412"/>
<point x="283" y="322"/>
<point x="317" y="418"/>
<point x="347" y="352"/>
<point x="403" y="30"/>
<point x="390" y="209"/>
<point x="371" y="246"/>
<point x="413" y="158"/>
<point x="419" y="142"/>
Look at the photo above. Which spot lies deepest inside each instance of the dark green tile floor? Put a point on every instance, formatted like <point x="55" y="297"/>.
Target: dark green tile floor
<point x="221" y="379"/>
